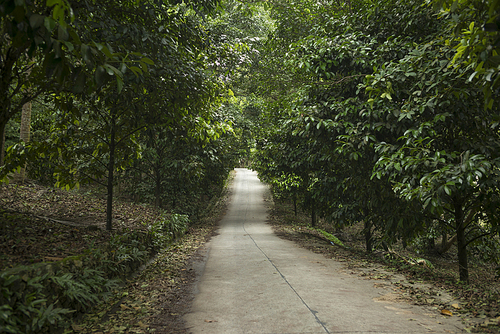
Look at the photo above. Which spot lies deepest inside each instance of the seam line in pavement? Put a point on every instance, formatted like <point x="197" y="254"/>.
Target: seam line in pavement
<point x="314" y="313"/>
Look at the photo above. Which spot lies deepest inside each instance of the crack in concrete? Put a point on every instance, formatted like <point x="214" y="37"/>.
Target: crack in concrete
<point x="314" y="313"/>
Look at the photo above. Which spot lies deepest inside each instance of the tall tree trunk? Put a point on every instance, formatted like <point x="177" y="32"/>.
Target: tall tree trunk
<point x="136" y="179"/>
<point x="446" y="245"/>
<point x="2" y="141"/>
<point x="24" y="133"/>
<point x="461" y="243"/>
<point x="111" y="167"/>
<point x="431" y="244"/>
<point x="313" y="216"/>
<point x="368" y="236"/>
<point x="444" y="242"/>
<point x="295" y="204"/>
<point x="157" y="187"/>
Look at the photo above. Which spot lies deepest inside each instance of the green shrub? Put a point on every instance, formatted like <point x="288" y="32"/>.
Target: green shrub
<point x="168" y="228"/>
<point x="42" y="297"/>
<point x="25" y="307"/>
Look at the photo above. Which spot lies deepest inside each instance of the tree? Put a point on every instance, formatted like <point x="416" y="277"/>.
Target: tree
<point x="446" y="156"/>
<point x="41" y="49"/>
<point x="97" y="126"/>
<point x="182" y="160"/>
<point x="448" y="159"/>
<point x="142" y="97"/>
<point x="476" y="31"/>
<point x="327" y="56"/>
<point x="24" y="132"/>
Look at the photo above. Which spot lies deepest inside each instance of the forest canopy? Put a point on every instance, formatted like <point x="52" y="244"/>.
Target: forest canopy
<point x="380" y="112"/>
<point x="387" y="113"/>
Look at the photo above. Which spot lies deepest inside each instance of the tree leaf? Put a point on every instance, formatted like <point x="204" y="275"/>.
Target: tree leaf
<point x="119" y="83"/>
<point x="100" y="75"/>
<point x="49" y="23"/>
<point x="36" y="21"/>
<point x="147" y="61"/>
<point x="62" y="33"/>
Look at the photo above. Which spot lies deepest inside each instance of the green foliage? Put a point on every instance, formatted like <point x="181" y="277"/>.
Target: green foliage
<point x="25" y="305"/>
<point x="75" y="291"/>
<point x="42" y="297"/>
<point x="168" y="228"/>
<point x="179" y="170"/>
<point x="445" y="159"/>
<point x="475" y="30"/>
<point x="151" y="68"/>
<point x="286" y="186"/>
<point x="124" y="253"/>
<point x="378" y="116"/>
<point x="44" y="41"/>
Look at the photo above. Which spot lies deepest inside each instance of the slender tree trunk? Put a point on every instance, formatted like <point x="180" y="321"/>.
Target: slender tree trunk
<point x="24" y="133"/>
<point x="313" y="216"/>
<point x="26" y="122"/>
<point x="157" y="188"/>
<point x="431" y="244"/>
<point x="444" y="242"/>
<point x="446" y="245"/>
<point x="136" y="179"/>
<point x="174" y="198"/>
<point x="368" y="236"/>
<point x="111" y="167"/>
<point x="461" y="243"/>
<point x="295" y="204"/>
<point x="2" y="140"/>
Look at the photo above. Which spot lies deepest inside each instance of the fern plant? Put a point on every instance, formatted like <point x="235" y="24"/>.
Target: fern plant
<point x="178" y="225"/>
<point x="74" y="290"/>
<point x="27" y="310"/>
<point x="168" y="228"/>
<point x="41" y="300"/>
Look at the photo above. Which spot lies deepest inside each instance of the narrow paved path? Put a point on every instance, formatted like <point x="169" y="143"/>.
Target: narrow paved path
<point x="254" y="282"/>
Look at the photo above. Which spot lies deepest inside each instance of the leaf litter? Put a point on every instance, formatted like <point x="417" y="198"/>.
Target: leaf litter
<point x="46" y="224"/>
<point x="436" y="287"/>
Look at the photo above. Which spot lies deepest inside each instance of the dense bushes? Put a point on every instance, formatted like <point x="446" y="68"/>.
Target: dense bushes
<point x="390" y="127"/>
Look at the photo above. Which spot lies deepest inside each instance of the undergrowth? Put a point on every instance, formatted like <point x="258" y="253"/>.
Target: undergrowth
<point x="480" y="299"/>
<point x="45" y="297"/>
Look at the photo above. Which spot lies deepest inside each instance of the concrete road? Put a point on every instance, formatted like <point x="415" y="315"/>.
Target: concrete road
<point x="254" y="282"/>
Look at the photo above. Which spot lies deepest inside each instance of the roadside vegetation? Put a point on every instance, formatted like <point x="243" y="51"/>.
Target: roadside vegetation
<point x="380" y="124"/>
<point x="118" y="134"/>
<point x="388" y="117"/>
<point x="418" y="278"/>
<point x="61" y="271"/>
<point x="120" y="122"/>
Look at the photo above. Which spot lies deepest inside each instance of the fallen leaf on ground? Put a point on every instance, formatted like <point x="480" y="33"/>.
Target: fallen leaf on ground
<point x="456" y="306"/>
<point x="446" y="312"/>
